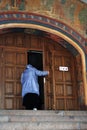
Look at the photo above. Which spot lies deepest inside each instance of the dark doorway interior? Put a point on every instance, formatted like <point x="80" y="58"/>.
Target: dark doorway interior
<point x="36" y="58"/>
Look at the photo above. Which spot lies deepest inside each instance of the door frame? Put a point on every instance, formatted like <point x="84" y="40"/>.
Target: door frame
<point x="40" y="79"/>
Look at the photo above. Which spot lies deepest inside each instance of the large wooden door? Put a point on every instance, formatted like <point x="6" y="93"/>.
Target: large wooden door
<point x="1" y="78"/>
<point x="61" y="85"/>
<point x="60" y="89"/>
<point x="48" y="88"/>
<point x="65" y="87"/>
<point x="14" y="63"/>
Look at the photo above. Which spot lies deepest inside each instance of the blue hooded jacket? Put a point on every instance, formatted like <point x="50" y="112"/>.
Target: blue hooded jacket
<point x="29" y="80"/>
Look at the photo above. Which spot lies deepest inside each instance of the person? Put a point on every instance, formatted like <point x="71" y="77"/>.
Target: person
<point x="30" y="86"/>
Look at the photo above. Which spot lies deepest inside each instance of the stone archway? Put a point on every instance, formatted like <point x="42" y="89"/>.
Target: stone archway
<point x="70" y="41"/>
<point x="33" y="21"/>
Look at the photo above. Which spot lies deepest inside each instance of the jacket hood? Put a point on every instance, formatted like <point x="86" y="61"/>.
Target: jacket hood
<point x="29" y="66"/>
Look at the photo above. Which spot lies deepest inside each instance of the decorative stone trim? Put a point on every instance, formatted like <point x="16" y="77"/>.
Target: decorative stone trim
<point x="31" y="18"/>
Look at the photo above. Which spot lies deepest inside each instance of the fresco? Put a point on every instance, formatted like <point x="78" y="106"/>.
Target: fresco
<point x="71" y="12"/>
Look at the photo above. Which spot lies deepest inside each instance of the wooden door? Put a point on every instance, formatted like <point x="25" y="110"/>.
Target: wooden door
<point x="14" y="63"/>
<point x="48" y="88"/>
<point x="65" y="87"/>
<point x="1" y="78"/>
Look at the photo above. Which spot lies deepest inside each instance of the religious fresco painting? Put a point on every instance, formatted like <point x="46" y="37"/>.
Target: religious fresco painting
<point x="71" y="12"/>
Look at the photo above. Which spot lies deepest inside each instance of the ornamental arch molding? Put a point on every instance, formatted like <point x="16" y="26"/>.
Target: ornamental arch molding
<point x="33" y="21"/>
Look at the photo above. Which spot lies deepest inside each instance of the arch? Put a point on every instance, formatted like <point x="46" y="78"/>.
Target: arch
<point x="53" y="30"/>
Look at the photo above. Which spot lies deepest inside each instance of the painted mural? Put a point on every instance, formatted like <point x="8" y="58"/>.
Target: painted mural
<point x="72" y="12"/>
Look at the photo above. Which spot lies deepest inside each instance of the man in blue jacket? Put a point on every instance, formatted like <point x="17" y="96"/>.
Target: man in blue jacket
<point x="30" y="86"/>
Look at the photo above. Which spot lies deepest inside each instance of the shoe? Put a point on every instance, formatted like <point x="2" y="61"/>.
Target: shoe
<point x="35" y="109"/>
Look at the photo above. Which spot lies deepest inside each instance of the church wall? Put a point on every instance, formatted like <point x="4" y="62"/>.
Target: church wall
<point x="72" y="13"/>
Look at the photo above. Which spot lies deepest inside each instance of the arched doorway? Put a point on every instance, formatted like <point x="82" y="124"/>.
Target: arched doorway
<point x="59" y="87"/>
<point x="56" y="29"/>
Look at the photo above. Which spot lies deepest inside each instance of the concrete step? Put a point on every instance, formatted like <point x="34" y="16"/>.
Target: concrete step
<point x="43" y="126"/>
<point x="42" y="120"/>
<point x="43" y="112"/>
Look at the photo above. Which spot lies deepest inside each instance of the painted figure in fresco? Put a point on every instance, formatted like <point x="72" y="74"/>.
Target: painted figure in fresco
<point x="32" y="4"/>
<point x="12" y="4"/>
<point x="58" y="9"/>
<point x="5" y="4"/>
<point x="30" y="87"/>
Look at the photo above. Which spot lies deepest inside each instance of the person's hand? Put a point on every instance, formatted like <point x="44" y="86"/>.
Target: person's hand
<point x="48" y="72"/>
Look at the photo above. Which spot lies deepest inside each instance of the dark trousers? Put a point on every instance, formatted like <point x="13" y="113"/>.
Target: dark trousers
<point x="30" y="101"/>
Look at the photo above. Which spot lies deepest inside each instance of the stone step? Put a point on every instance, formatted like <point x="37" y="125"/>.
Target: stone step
<point x="43" y="126"/>
<point x="41" y="112"/>
<point x="41" y="118"/>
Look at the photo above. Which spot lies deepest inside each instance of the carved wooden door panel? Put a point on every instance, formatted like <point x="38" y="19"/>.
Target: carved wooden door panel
<point x="65" y="91"/>
<point x="48" y="88"/>
<point x="1" y="78"/>
<point x="14" y="63"/>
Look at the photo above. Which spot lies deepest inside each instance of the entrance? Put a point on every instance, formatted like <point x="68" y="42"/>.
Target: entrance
<point x="37" y="58"/>
<point x="60" y="90"/>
